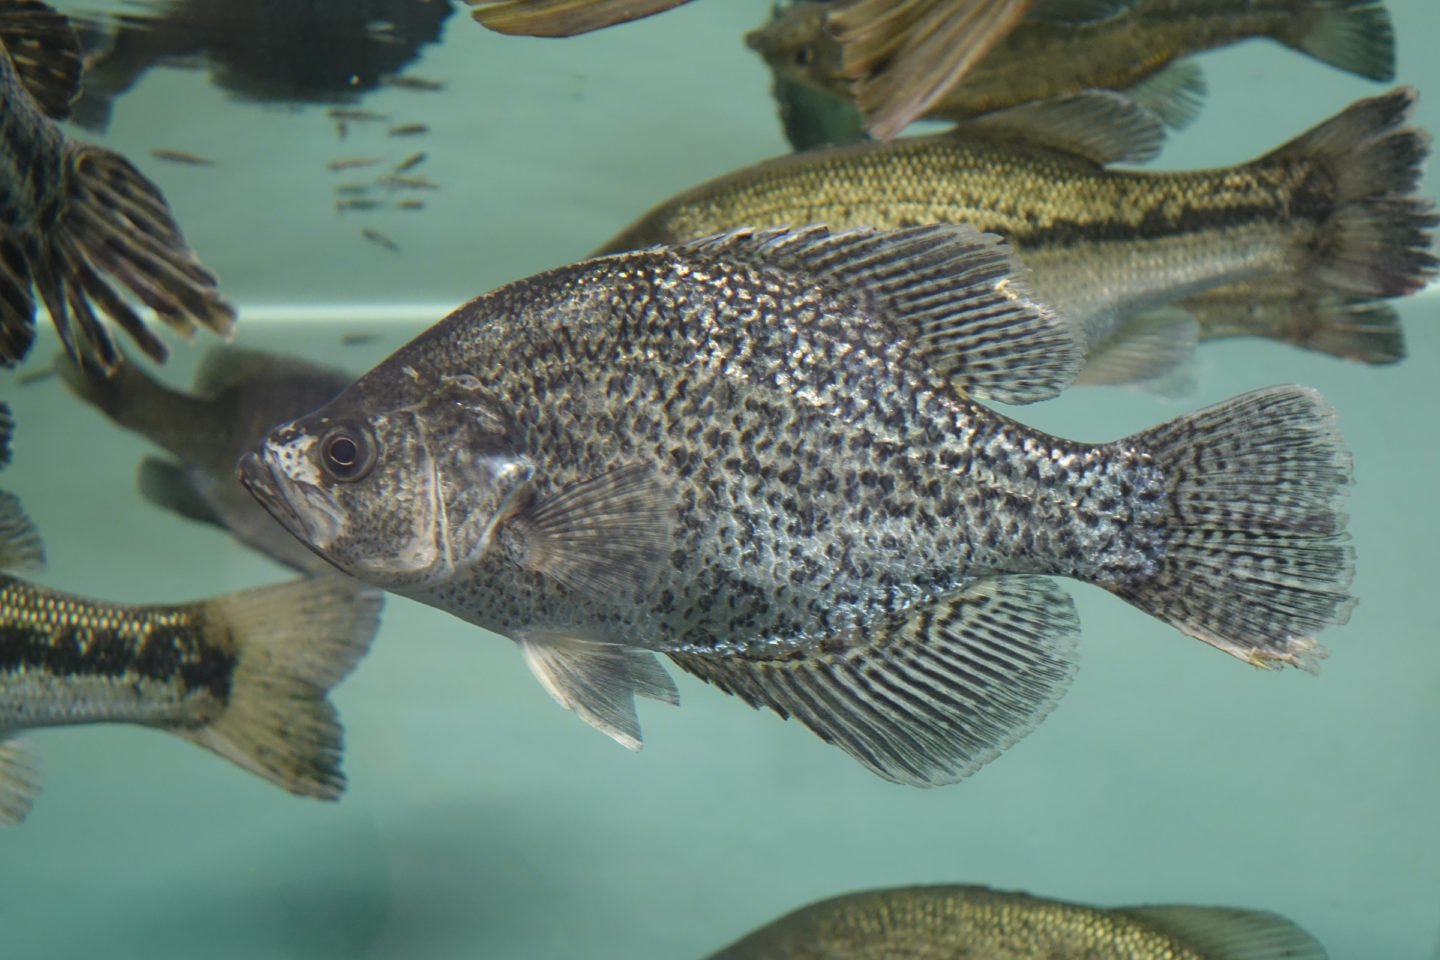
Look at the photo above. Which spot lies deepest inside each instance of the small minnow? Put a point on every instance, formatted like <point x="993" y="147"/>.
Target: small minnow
<point x="379" y="239"/>
<point x="181" y="156"/>
<point x="409" y="81"/>
<point x="407" y="183"/>
<point x="767" y="455"/>
<point x="350" y="115"/>
<point x="358" y="339"/>
<point x="409" y="130"/>
<point x="356" y="203"/>
<point x="353" y="189"/>
<point x="410" y="205"/>
<point x="351" y="163"/>
<point x="410" y="162"/>
<point x="246" y="675"/>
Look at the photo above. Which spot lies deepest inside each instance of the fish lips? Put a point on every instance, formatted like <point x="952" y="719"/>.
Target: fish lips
<point x="312" y="519"/>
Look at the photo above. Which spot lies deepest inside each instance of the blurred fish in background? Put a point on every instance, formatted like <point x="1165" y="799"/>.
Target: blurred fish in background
<point x="919" y="923"/>
<point x="238" y="396"/>
<point x="246" y="675"/>
<point x="279" y="51"/>
<point x="1065" y="46"/>
<point x="75" y="219"/>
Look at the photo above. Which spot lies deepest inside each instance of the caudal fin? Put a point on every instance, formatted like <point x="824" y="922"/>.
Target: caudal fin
<point x="1360" y="172"/>
<point x="117" y="229"/>
<point x="1254" y="558"/>
<point x="295" y="641"/>
<point x="1353" y="35"/>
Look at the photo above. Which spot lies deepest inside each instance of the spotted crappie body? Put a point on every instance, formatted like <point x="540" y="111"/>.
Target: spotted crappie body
<point x="762" y="455"/>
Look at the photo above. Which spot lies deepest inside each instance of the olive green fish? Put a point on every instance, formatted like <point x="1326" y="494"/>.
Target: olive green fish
<point x="763" y="455"/>
<point x="238" y="395"/>
<point x="1334" y="212"/>
<point x="245" y="675"/>
<point x="76" y="219"/>
<point x="1065" y="46"/>
<point x="977" y="923"/>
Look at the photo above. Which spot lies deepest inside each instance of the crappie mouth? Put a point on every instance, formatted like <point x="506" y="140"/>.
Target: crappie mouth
<point x="302" y="508"/>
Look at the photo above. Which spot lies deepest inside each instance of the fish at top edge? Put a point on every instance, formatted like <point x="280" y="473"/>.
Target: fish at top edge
<point x="913" y="923"/>
<point x="1336" y="211"/>
<point x="246" y="675"/>
<point x="78" y="222"/>
<point x="238" y="395"/>
<point x="1065" y="46"/>
<point x="765" y="455"/>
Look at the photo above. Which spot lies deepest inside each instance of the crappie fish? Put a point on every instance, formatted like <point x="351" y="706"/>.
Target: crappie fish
<point x="1335" y="212"/>
<point x="245" y="675"/>
<point x="900" y="56"/>
<point x="762" y="454"/>
<point x="915" y="923"/>
<point x="1064" y="46"/>
<point x="238" y="396"/>
<point x="76" y="219"/>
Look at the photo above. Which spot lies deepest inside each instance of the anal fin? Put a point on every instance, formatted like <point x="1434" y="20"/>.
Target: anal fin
<point x="929" y="698"/>
<point x="1174" y="94"/>
<point x="19" y="781"/>
<point x="1143" y="348"/>
<point x="598" y="681"/>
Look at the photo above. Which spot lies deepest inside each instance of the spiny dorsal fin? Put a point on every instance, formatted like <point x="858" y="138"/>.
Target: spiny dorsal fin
<point x="1174" y="94"/>
<point x="1102" y="126"/>
<point x="20" y="545"/>
<point x="928" y="698"/>
<point x="1229" y="933"/>
<point x="46" y="54"/>
<point x="1078" y="11"/>
<point x="598" y="681"/>
<point x="953" y="292"/>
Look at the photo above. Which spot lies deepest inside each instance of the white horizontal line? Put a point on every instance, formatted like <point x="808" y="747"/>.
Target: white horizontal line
<point x="343" y="312"/>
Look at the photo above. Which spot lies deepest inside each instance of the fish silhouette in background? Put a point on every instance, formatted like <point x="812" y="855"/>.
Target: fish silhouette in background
<point x="246" y="675"/>
<point x="276" y="51"/>
<point x="76" y="220"/>
<point x="919" y="923"/>
<point x="764" y="455"/>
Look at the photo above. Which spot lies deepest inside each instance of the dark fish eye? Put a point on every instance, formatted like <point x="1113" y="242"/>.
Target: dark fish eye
<point x="803" y="56"/>
<point x="346" y="453"/>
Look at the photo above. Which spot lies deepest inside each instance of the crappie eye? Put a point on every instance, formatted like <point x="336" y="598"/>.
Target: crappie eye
<point x="347" y="453"/>
<point x="804" y="55"/>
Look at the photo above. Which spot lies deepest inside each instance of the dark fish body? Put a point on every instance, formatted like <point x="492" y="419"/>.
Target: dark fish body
<point x="237" y="397"/>
<point x="762" y="456"/>
<point x="75" y="219"/>
<point x="1334" y="211"/>
<point x="1049" y="54"/>
<point x="960" y="922"/>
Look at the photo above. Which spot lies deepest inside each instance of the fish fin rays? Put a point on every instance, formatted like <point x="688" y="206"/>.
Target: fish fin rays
<point x="46" y="53"/>
<point x="295" y="642"/>
<point x="17" y="304"/>
<point x="20" y="545"/>
<point x="598" y="681"/>
<point x="603" y="535"/>
<point x="1099" y="125"/>
<point x="1174" y="94"/>
<point x="19" y="781"/>
<point x="928" y="698"/>
<point x="1230" y="933"/>
<point x="956" y="294"/>
<point x="1145" y="347"/>
<point x="1255" y="557"/>
<point x="1352" y="35"/>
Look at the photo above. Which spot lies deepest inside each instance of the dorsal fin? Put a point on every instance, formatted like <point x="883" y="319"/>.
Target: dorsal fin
<point x="46" y="54"/>
<point x="1099" y="125"/>
<point x="955" y="293"/>
<point x="1230" y="933"/>
<point x="20" y="545"/>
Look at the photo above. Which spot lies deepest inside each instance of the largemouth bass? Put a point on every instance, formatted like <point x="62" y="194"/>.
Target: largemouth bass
<point x="912" y="923"/>
<point x="246" y="675"/>
<point x="1065" y="46"/>
<point x="1335" y="212"/>
<point x="75" y="219"/>
<point x="762" y="454"/>
<point x="238" y="396"/>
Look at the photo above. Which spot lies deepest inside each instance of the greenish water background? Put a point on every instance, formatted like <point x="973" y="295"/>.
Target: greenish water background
<point x="484" y="821"/>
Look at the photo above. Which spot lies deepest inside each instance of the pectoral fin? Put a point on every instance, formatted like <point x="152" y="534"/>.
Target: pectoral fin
<point x="19" y="781"/>
<point x="598" y="681"/>
<point x="604" y="535"/>
<point x="20" y="545"/>
<point x="928" y="698"/>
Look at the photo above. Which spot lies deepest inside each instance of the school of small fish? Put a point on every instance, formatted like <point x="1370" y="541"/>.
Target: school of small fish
<point x="754" y="435"/>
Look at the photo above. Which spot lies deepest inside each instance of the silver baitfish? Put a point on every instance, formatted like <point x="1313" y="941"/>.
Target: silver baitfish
<point x="238" y="395"/>
<point x="246" y="675"/>
<point x="763" y="455"/>
<point x="911" y="923"/>
<point x="76" y="219"/>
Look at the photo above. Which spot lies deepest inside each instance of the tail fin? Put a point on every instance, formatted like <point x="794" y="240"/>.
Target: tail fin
<point x="1255" y="557"/>
<point x="1372" y="233"/>
<point x="1353" y="35"/>
<point x="116" y="226"/>
<point x="296" y="641"/>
